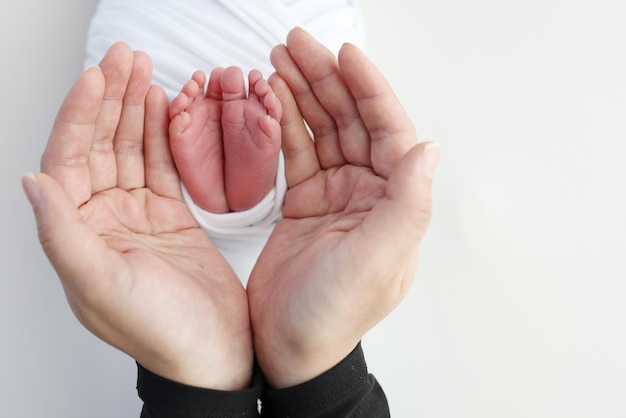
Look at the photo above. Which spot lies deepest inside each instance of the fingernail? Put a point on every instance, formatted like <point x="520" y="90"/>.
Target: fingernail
<point x="31" y="188"/>
<point x="304" y="31"/>
<point x="90" y="67"/>
<point x="430" y="159"/>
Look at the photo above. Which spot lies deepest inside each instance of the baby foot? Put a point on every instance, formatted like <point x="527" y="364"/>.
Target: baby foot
<point x="226" y="144"/>
<point x="196" y="140"/>
<point x="251" y="132"/>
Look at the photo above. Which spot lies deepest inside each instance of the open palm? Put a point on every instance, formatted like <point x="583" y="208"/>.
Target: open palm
<point x="137" y="270"/>
<point x="358" y="205"/>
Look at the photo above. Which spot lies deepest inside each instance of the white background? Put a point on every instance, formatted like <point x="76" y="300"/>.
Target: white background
<point x="518" y="307"/>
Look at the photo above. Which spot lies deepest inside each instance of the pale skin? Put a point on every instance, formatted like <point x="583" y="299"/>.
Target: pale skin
<point x="358" y="205"/>
<point x="226" y="142"/>
<point x="140" y="274"/>
<point x="136" y="269"/>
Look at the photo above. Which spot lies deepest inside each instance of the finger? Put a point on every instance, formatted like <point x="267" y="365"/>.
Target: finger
<point x="161" y="175"/>
<point x="319" y="66"/>
<point x="129" y="138"/>
<point x="318" y="119"/>
<point x="79" y="256"/>
<point x="67" y="152"/>
<point x="399" y="221"/>
<point x="409" y="189"/>
<point x="391" y="131"/>
<point x="116" y="66"/>
<point x="301" y="161"/>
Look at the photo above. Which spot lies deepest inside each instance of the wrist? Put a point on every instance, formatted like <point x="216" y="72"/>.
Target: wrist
<point x="227" y="369"/>
<point x="287" y="365"/>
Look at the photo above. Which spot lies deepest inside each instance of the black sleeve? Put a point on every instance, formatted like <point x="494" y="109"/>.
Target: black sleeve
<point x="347" y="390"/>
<point x="164" y="398"/>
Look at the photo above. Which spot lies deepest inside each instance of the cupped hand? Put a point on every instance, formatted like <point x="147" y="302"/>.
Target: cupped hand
<point x="358" y="206"/>
<point x="136" y="269"/>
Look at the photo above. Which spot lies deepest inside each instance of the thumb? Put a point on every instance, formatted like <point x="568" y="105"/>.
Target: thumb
<point x="403" y="216"/>
<point x="409" y="189"/>
<point x="72" y="247"/>
<point x="393" y="230"/>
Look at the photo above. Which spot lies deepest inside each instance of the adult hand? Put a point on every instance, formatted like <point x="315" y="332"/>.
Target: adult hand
<point x="136" y="269"/>
<point x="358" y="206"/>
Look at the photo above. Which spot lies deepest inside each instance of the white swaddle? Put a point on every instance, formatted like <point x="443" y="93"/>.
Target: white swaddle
<point x="184" y="36"/>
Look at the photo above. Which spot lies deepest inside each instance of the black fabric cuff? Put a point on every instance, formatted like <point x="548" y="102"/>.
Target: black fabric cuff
<point x="346" y="390"/>
<point x="164" y="398"/>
